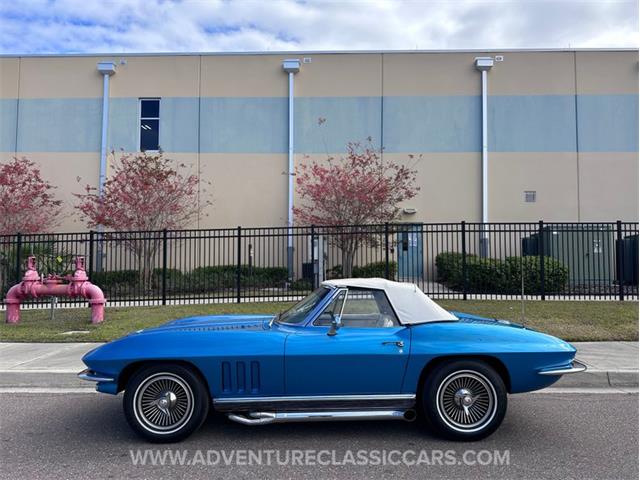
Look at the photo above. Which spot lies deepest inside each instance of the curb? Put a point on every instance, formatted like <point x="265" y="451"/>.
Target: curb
<point x="600" y="379"/>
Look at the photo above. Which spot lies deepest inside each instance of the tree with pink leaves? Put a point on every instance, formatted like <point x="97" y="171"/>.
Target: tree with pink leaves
<point x="145" y="193"/>
<point x="359" y="188"/>
<point x="27" y="202"/>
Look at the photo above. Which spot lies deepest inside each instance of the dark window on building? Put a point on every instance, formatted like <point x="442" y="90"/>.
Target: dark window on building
<point x="530" y="196"/>
<point x="149" y="124"/>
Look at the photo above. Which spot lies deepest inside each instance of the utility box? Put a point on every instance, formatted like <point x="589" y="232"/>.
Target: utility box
<point x="587" y="251"/>
<point x="630" y="260"/>
<point x="314" y="268"/>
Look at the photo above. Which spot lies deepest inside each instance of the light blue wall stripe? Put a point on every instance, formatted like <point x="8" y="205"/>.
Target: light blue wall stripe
<point x="532" y="123"/>
<point x="123" y="124"/>
<point x="432" y="124"/>
<point x="179" y="124"/>
<point x="59" y="125"/>
<point x="243" y="125"/>
<point x="608" y="123"/>
<point x="347" y="119"/>
<point x="8" y="109"/>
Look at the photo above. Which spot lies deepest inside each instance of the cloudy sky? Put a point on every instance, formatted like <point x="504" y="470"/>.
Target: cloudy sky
<point x="65" y="26"/>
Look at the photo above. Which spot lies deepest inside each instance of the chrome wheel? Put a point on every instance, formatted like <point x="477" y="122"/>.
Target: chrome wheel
<point x="163" y="403"/>
<point x="466" y="401"/>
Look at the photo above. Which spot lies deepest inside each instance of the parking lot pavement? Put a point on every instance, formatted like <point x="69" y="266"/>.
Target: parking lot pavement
<point x="552" y="435"/>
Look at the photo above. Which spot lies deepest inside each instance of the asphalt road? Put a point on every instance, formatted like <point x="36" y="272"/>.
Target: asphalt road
<point x="551" y="435"/>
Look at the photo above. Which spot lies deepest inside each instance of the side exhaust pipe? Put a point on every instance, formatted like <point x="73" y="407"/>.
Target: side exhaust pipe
<point x="410" y="415"/>
<point x="263" y="418"/>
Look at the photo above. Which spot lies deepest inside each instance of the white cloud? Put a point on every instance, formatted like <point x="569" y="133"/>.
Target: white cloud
<point x="39" y="26"/>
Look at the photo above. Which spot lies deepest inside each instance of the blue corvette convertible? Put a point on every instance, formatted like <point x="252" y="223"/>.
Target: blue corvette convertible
<point x="352" y="349"/>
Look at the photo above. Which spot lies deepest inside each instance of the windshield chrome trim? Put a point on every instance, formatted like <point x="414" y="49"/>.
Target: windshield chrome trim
<point x="332" y="297"/>
<point x="320" y="306"/>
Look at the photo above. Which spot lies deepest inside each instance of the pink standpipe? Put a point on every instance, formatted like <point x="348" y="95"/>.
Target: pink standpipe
<point x="32" y="286"/>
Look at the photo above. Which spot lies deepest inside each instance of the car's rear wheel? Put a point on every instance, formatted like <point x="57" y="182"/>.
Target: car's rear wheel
<point x="165" y="402"/>
<point x="464" y="400"/>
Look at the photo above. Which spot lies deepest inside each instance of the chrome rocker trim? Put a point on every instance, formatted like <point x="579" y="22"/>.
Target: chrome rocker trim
<point x="576" y="367"/>
<point x="91" y="376"/>
<point x="315" y="398"/>
<point x="306" y="403"/>
<point x="263" y="418"/>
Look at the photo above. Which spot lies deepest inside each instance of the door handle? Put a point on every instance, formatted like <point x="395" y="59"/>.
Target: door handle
<point x="399" y="343"/>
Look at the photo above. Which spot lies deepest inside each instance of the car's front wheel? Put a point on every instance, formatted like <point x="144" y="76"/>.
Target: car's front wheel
<point x="464" y="400"/>
<point x="165" y="402"/>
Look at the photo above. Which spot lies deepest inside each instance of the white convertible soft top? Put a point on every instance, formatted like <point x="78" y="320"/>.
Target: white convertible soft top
<point x="409" y="302"/>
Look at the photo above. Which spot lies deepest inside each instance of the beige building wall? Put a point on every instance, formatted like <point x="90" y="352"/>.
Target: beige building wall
<point x="70" y="173"/>
<point x="511" y="174"/>
<point x="9" y="77"/>
<point x="609" y="187"/>
<point x="608" y="181"/>
<point x="250" y="188"/>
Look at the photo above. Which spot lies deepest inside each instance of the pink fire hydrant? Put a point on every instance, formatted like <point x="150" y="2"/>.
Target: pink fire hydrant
<point x="33" y="286"/>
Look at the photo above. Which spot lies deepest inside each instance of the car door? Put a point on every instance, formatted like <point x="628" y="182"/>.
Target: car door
<point x="367" y="355"/>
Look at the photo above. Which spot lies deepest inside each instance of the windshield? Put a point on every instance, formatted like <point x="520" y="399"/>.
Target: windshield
<point x="298" y="313"/>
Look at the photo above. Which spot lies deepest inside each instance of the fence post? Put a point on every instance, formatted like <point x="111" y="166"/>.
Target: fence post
<point x="386" y="251"/>
<point x="19" y="259"/>
<point x="239" y="265"/>
<point x="541" y="255"/>
<point x="620" y="260"/>
<point x="164" y="266"/>
<point x="465" y="283"/>
<point x="313" y="257"/>
<point x="90" y="262"/>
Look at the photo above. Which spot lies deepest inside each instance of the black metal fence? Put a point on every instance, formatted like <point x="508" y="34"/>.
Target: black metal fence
<point x="447" y="260"/>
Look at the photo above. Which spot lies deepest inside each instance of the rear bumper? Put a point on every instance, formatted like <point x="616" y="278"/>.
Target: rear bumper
<point x="575" y="367"/>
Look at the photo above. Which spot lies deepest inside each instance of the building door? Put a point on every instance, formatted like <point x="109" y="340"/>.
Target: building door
<point x="410" y="253"/>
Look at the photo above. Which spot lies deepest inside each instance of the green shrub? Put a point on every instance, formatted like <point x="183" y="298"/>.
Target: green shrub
<point x="203" y="279"/>
<point x="116" y="282"/>
<point x="175" y="280"/>
<point x="301" y="285"/>
<point x="449" y="269"/>
<point x="488" y="275"/>
<point x="375" y="269"/>
<point x="485" y="274"/>
<point x="556" y="275"/>
<point x="124" y="281"/>
<point x="334" y="272"/>
<point x="199" y="280"/>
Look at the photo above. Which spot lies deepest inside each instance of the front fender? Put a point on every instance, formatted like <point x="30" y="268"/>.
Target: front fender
<point x="214" y="353"/>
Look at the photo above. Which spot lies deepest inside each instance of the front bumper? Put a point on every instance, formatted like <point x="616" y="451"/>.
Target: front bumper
<point x="92" y="376"/>
<point x="575" y="367"/>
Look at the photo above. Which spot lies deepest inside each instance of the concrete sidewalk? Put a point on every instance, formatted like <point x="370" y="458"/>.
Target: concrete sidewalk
<point x="54" y="365"/>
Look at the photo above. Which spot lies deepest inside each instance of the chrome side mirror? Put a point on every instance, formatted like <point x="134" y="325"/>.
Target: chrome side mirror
<point x="336" y="323"/>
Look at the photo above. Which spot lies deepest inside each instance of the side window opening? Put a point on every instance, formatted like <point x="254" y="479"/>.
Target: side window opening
<point x="333" y="309"/>
<point x="149" y="124"/>
<point x="364" y="308"/>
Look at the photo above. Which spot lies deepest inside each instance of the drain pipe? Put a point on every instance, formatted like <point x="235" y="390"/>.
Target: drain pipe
<point x="291" y="67"/>
<point x="484" y="64"/>
<point x="106" y="69"/>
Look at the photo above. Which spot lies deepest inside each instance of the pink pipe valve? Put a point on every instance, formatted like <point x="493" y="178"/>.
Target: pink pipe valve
<point x="33" y="286"/>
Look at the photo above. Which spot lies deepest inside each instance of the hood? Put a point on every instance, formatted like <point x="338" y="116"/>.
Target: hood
<point x="469" y="318"/>
<point x="216" y="322"/>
